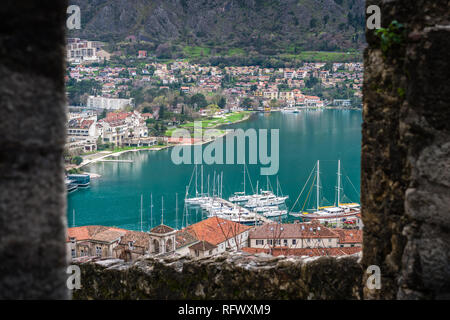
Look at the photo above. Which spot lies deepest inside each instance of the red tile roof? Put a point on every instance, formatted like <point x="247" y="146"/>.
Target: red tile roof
<point x="162" y="229"/>
<point x="349" y="235"/>
<point x="216" y="230"/>
<point x="292" y="231"/>
<point x="203" y="246"/>
<point x="107" y="234"/>
<point x="184" y="238"/>
<point x="311" y="252"/>
<point x="96" y="233"/>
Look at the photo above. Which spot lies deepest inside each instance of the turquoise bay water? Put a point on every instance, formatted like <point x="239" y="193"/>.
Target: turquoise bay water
<point x="325" y="135"/>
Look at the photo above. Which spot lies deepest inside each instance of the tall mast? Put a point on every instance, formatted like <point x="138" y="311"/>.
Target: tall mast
<point x="141" y="212"/>
<point x="196" y="174"/>
<point x="339" y="183"/>
<point x="218" y="185"/>
<point x="244" y="178"/>
<point x="73" y="218"/>
<point x="185" y="207"/>
<point x="277" y="185"/>
<point x="221" y="184"/>
<point x="267" y="182"/>
<point x="214" y="184"/>
<point x="257" y="188"/>
<point x="318" y="168"/>
<point x="208" y="185"/>
<point x="186" y="213"/>
<point x="201" y="188"/>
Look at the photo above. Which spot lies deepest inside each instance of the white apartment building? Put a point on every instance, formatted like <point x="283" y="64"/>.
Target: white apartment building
<point x="79" y="51"/>
<point x="108" y="103"/>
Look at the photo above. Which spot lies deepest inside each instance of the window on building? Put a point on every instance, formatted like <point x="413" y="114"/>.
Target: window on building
<point x="259" y="242"/>
<point x="285" y="242"/>
<point x="294" y="241"/>
<point x="73" y="253"/>
<point x="269" y="242"/>
<point x="98" y="251"/>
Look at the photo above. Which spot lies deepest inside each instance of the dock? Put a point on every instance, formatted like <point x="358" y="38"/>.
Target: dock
<point x="232" y="205"/>
<point x="110" y="160"/>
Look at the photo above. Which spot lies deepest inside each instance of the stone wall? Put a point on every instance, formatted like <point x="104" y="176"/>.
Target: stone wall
<point x="405" y="176"/>
<point x="32" y="136"/>
<point x="229" y="276"/>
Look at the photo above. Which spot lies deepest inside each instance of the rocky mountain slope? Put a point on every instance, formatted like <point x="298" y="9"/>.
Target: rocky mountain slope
<point x="264" y="26"/>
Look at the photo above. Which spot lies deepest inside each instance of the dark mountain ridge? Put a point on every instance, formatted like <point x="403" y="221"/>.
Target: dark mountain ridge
<point x="263" y="26"/>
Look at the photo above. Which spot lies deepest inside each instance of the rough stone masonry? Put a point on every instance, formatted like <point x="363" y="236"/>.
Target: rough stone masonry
<point x="32" y="136"/>
<point x="405" y="169"/>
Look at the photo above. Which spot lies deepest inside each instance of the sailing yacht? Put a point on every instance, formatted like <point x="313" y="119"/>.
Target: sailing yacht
<point x="200" y="198"/>
<point x="330" y="214"/>
<point x="240" y="196"/>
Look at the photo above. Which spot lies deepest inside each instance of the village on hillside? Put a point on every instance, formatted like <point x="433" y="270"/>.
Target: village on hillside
<point x="138" y="101"/>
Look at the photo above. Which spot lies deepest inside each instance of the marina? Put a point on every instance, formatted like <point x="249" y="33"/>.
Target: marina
<point x="114" y="199"/>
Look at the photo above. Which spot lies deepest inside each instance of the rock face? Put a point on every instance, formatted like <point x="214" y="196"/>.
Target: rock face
<point x="32" y="137"/>
<point x="260" y="25"/>
<point x="405" y="185"/>
<point x="229" y="276"/>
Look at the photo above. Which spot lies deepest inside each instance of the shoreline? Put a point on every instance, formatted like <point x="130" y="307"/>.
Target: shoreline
<point x="118" y="153"/>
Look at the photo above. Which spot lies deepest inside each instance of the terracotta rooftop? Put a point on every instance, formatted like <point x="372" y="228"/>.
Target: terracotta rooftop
<point x="162" y="229"/>
<point x="349" y="235"/>
<point x="310" y="252"/>
<point x="291" y="231"/>
<point x="203" y="246"/>
<point x="97" y="233"/>
<point x="139" y="239"/>
<point x="216" y="230"/>
<point x="108" y="234"/>
<point x="184" y="238"/>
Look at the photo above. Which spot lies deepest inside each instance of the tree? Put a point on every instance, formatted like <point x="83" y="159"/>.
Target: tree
<point x="77" y="160"/>
<point x="198" y="100"/>
<point x="162" y="112"/>
<point x="222" y="102"/>
<point x="212" y="109"/>
<point x="311" y="82"/>
<point x="102" y="115"/>
<point x="246" y="103"/>
<point x="313" y="23"/>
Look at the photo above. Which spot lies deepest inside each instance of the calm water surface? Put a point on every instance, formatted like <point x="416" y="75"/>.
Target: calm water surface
<point x="325" y="135"/>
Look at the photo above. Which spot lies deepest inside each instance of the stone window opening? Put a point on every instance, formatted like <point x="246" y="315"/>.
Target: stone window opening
<point x="404" y="176"/>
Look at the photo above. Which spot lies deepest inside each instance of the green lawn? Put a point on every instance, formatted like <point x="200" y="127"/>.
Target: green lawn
<point x="196" y="52"/>
<point x="324" y="56"/>
<point x="211" y="123"/>
<point x="236" y="52"/>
